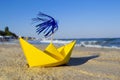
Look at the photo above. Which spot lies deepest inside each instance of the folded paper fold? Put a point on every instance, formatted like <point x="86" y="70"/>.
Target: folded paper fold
<point x="51" y="56"/>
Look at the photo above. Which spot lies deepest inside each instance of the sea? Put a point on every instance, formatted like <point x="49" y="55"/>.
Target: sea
<point x="82" y="42"/>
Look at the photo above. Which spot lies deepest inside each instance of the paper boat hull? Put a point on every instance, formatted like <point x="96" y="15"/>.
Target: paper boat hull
<point x="52" y="56"/>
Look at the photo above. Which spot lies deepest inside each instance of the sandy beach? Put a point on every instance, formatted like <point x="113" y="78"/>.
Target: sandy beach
<point x="85" y="64"/>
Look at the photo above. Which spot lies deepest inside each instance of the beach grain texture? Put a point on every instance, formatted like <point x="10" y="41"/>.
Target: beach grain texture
<point x="85" y="64"/>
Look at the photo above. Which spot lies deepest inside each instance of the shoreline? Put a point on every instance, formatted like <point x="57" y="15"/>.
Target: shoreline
<point x="16" y="42"/>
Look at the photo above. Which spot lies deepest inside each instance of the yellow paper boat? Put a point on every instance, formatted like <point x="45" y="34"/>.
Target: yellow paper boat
<point x="51" y="56"/>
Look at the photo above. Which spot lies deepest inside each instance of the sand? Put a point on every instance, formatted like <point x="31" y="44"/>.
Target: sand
<point x="85" y="64"/>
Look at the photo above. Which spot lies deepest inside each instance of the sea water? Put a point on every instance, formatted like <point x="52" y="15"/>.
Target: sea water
<point x="86" y="42"/>
<point x="82" y="42"/>
<point x="89" y="42"/>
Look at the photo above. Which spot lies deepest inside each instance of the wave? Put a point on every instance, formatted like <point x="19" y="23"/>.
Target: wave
<point x="100" y="44"/>
<point x="91" y="42"/>
<point x="55" y="41"/>
<point x="97" y="46"/>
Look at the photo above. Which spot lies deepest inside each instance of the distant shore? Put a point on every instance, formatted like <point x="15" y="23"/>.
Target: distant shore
<point x="85" y="64"/>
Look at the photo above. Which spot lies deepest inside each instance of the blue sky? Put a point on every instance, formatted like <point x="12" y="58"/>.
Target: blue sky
<point x="76" y="18"/>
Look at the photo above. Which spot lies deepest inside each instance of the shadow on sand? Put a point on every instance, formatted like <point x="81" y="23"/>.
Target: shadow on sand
<point x="80" y="60"/>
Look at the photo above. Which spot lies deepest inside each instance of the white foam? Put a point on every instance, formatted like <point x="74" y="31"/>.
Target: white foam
<point x="55" y="41"/>
<point x="95" y="44"/>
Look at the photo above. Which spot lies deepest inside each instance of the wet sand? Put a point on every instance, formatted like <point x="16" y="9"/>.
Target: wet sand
<point x="85" y="64"/>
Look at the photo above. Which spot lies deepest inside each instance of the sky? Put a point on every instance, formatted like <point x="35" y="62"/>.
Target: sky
<point x="76" y="18"/>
